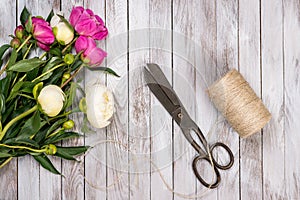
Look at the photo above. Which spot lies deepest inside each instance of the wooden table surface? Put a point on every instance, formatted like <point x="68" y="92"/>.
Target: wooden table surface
<point x="143" y="154"/>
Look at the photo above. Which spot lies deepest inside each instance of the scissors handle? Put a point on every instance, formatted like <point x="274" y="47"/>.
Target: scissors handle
<point x="197" y="174"/>
<point x="229" y="152"/>
<point x="214" y="164"/>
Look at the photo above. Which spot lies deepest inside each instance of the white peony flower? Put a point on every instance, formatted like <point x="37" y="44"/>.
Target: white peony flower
<point x="99" y="105"/>
<point x="51" y="99"/>
<point x="63" y="32"/>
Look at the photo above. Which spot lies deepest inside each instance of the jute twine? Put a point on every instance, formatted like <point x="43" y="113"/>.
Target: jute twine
<point x="239" y="104"/>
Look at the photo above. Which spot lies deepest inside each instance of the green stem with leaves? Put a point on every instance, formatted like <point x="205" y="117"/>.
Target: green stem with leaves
<point x="25" y="41"/>
<point x="23" y="147"/>
<point x="47" y="72"/>
<point x="17" y="118"/>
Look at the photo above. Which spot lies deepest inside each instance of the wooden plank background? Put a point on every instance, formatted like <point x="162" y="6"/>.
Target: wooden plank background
<point x="260" y="38"/>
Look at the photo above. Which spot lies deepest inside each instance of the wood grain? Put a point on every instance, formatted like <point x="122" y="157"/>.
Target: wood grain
<point x="273" y="97"/>
<point x="117" y="156"/>
<point x="184" y="85"/>
<point x="249" y="63"/>
<point x="138" y="97"/>
<point x="205" y="36"/>
<point x="9" y="173"/>
<point x="95" y="166"/>
<point x="160" y="121"/>
<point x="291" y="97"/>
<point x="227" y="58"/>
<point x="209" y="37"/>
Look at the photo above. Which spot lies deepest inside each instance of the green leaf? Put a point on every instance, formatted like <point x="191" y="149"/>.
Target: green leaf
<point x="46" y="163"/>
<point x="5" y="85"/>
<point x="28" y="25"/>
<point x="12" y="58"/>
<point x="5" y="155"/>
<point x="14" y="91"/>
<point x="27" y="87"/>
<point x="56" y="52"/>
<point x="31" y="126"/>
<point x="106" y="69"/>
<point x="62" y="135"/>
<point x="27" y="65"/>
<point x="24" y="15"/>
<point x="54" y="61"/>
<point x="51" y="14"/>
<point x="56" y="125"/>
<point x="37" y="89"/>
<point x="2" y="105"/>
<point x="3" y="49"/>
<point x="73" y="151"/>
<point x="63" y="154"/>
<point x="71" y="95"/>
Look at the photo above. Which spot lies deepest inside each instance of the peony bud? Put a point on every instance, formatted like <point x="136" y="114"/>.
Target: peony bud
<point x="50" y="149"/>
<point x="19" y="32"/>
<point x="42" y="32"/>
<point x="92" y="55"/>
<point x="15" y="43"/>
<point x="100" y="105"/>
<point x="68" y="124"/>
<point x="51" y="100"/>
<point x="63" y="32"/>
<point x="69" y="58"/>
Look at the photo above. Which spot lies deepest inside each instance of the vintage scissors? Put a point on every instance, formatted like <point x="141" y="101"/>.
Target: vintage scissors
<point x="162" y="89"/>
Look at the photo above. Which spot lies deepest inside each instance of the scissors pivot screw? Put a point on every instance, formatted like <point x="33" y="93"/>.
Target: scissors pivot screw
<point x="180" y="115"/>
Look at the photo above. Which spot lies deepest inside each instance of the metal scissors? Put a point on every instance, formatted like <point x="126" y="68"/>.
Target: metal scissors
<point x="162" y="89"/>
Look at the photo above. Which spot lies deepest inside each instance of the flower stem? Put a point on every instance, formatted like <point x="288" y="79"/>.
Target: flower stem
<point x="24" y="114"/>
<point x="5" y="162"/>
<point x="26" y="53"/>
<point x="43" y="55"/>
<point x="47" y="72"/>
<point x="23" y="147"/>
<point x="73" y="75"/>
<point x="63" y="51"/>
<point x="20" y="47"/>
<point x="25" y="41"/>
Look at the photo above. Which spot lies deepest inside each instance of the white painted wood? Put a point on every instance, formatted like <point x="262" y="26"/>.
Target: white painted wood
<point x="139" y="102"/>
<point x="291" y="98"/>
<point x="73" y="183"/>
<point x="273" y="97"/>
<point x="161" y="121"/>
<point x="249" y="63"/>
<point x="9" y="173"/>
<point x="117" y="156"/>
<point x="184" y="85"/>
<point x="206" y="73"/>
<point x="230" y="33"/>
<point x="227" y="58"/>
<point x="95" y="167"/>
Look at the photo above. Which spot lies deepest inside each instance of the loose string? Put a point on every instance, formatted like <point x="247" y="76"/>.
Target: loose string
<point x="118" y="179"/>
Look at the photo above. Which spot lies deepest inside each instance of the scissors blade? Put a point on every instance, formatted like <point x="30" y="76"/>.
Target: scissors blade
<point x="159" y="91"/>
<point x="162" y="80"/>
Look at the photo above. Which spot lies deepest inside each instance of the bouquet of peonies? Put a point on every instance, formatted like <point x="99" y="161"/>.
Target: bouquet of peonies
<point x="36" y="92"/>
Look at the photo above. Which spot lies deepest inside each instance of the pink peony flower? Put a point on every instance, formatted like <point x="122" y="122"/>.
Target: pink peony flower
<point x="92" y="55"/>
<point x="87" y="24"/>
<point x="42" y="32"/>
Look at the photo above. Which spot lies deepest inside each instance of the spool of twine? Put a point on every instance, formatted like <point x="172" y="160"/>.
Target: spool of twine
<point x="239" y="104"/>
